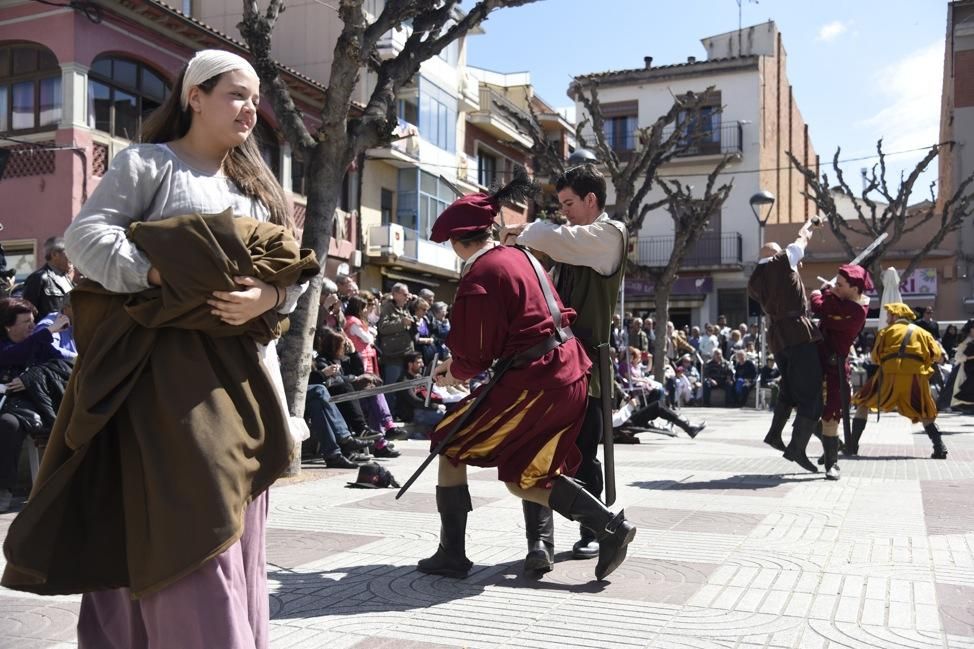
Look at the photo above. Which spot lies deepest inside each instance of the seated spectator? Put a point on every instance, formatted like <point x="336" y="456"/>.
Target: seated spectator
<point x="770" y="377"/>
<point x="332" y="353"/>
<point x="638" y="381"/>
<point x="694" y="339"/>
<point x="34" y="377"/>
<point x="412" y="403"/>
<point x="64" y="338"/>
<point x="688" y="383"/>
<point x="717" y="375"/>
<point x="330" y="312"/>
<point x="745" y="375"/>
<point x="336" y="445"/>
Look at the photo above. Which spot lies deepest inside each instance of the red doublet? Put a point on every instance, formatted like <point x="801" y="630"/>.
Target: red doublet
<point x="840" y="322"/>
<point x="527" y="424"/>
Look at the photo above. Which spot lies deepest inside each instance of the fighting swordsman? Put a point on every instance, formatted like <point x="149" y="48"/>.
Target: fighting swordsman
<point x="776" y="285"/>
<point x="905" y="354"/>
<point x="589" y="255"/>
<point x="841" y="310"/>
<point x="525" y="420"/>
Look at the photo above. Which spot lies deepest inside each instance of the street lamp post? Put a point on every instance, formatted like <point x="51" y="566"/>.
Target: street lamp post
<point x="759" y="201"/>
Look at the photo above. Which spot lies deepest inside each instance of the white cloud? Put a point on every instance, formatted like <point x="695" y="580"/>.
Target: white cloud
<point x="832" y="30"/>
<point x="912" y="87"/>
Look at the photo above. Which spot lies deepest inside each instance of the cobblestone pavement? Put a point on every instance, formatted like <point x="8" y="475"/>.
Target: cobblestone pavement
<point x="734" y="550"/>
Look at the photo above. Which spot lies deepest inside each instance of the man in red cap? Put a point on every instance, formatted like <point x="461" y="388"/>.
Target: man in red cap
<point x="841" y="310"/>
<point x="525" y="420"/>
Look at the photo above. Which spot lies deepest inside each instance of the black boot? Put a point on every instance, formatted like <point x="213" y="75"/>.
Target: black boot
<point x="450" y="559"/>
<point x="852" y="444"/>
<point x="587" y="546"/>
<point x="680" y="422"/>
<point x="800" y="434"/>
<point x="613" y="532"/>
<point x="939" y="449"/>
<point x="831" y="445"/>
<point x="782" y="412"/>
<point x="539" y="526"/>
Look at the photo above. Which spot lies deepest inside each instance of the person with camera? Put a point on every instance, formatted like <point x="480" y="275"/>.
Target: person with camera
<point x="396" y="337"/>
<point x="47" y="286"/>
<point x="23" y="411"/>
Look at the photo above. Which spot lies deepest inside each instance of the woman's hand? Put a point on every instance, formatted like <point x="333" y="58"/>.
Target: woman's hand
<point x="241" y="306"/>
<point x="442" y="374"/>
<point x="61" y="322"/>
<point x="153" y="276"/>
<point x="15" y="385"/>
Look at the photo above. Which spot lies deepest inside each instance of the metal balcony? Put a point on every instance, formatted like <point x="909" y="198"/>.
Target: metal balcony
<point x="723" y="139"/>
<point x="712" y="250"/>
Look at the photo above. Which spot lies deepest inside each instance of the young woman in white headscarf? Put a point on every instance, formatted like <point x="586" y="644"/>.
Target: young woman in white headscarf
<point x="198" y="156"/>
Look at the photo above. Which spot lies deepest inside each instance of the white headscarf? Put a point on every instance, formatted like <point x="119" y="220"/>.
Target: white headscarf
<point x="206" y="64"/>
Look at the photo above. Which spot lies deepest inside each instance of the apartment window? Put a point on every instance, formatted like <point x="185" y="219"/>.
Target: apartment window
<point x="121" y="94"/>
<point x="703" y="127"/>
<point x="486" y="169"/>
<point x="386" y="206"/>
<point x="408" y="110"/>
<point x="437" y="116"/>
<point x="30" y="88"/>
<point x="421" y="198"/>
<point x="620" y="119"/>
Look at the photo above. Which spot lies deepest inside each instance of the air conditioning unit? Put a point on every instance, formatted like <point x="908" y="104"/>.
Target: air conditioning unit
<point x="357" y="259"/>
<point x="387" y="240"/>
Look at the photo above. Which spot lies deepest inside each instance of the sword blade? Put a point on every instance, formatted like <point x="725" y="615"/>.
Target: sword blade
<point x="862" y="255"/>
<point x="383" y="389"/>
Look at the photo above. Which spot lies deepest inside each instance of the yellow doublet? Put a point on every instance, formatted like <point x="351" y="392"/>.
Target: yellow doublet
<point x="902" y="383"/>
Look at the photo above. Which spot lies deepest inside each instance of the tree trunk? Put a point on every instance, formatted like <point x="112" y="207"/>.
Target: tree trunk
<point x="296" y="346"/>
<point x="661" y="294"/>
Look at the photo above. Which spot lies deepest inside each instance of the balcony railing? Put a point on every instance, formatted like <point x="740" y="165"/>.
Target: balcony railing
<point x="712" y="141"/>
<point x="712" y="250"/>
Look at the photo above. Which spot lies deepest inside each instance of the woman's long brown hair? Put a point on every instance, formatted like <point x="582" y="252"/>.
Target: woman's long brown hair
<point x="243" y="165"/>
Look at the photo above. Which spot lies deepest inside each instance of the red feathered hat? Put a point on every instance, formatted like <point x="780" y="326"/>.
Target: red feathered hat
<point x="469" y="214"/>
<point x="857" y="276"/>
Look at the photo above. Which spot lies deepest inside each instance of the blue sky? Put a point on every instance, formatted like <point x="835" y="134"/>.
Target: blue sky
<point x="861" y="69"/>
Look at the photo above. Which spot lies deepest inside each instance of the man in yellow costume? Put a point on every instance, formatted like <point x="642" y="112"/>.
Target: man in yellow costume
<point x="905" y="354"/>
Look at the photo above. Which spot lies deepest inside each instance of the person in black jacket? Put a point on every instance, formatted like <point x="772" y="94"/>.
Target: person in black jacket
<point x="46" y="287"/>
<point x="412" y="406"/>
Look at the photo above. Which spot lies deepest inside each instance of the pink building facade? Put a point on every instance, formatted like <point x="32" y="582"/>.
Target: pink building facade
<point x="74" y="87"/>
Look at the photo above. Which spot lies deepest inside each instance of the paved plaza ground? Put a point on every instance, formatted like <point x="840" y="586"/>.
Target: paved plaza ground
<point x="734" y="550"/>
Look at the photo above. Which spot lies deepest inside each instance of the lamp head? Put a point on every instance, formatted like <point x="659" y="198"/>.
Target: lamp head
<point x="759" y="201"/>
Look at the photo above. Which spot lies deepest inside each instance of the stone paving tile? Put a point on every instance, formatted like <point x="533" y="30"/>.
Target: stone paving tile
<point x="292" y="548"/>
<point x="693" y="521"/>
<point x="956" y="609"/>
<point x="378" y="642"/>
<point x="948" y="506"/>
<point x="34" y="622"/>
<point x="639" y="579"/>
<point x="424" y="503"/>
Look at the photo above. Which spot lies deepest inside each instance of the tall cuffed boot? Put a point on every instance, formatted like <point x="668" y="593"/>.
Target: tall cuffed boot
<point x="801" y="433"/>
<point x="831" y="445"/>
<point x="939" y="449"/>
<point x="782" y="412"/>
<point x="680" y="422"/>
<point x="852" y="444"/>
<point x="613" y="532"/>
<point x="539" y="526"/>
<point x="450" y="559"/>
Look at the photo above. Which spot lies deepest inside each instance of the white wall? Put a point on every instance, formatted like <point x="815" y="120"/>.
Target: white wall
<point x="740" y="96"/>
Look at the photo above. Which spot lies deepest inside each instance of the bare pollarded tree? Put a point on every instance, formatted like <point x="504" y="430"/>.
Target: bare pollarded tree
<point x="341" y="137"/>
<point x="634" y="174"/>
<point x="880" y="208"/>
